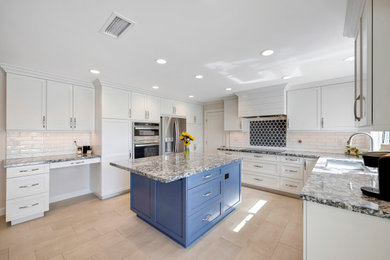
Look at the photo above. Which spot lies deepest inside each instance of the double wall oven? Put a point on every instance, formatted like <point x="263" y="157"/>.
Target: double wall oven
<point x="146" y="139"/>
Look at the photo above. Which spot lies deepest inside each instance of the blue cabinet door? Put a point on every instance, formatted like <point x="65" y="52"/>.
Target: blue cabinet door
<point x="141" y="195"/>
<point x="231" y="185"/>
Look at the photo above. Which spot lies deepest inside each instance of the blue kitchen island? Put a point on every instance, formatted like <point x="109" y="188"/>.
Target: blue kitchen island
<point x="184" y="198"/>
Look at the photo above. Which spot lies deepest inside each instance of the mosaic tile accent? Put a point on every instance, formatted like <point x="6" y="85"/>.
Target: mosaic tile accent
<point x="268" y="133"/>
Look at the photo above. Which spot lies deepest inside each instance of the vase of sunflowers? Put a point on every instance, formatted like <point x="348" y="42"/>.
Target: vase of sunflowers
<point x="187" y="138"/>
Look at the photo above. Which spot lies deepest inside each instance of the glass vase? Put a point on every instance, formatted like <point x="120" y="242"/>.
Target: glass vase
<point x="186" y="152"/>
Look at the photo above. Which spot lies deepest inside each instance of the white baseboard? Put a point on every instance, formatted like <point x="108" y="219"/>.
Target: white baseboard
<point x="108" y="196"/>
<point x="69" y="195"/>
<point x="2" y="211"/>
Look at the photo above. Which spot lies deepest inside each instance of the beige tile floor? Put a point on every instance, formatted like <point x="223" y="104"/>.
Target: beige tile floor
<point x="264" y="226"/>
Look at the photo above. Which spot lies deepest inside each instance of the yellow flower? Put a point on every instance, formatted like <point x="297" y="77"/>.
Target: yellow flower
<point x="192" y="139"/>
<point x="181" y="137"/>
<point x="186" y="142"/>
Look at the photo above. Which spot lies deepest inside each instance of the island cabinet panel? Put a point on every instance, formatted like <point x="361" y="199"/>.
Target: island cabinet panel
<point x="187" y="208"/>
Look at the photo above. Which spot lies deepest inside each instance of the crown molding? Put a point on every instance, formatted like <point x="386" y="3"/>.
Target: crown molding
<point x="8" y="68"/>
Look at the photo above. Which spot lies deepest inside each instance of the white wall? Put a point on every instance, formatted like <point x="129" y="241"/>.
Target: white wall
<point x="2" y="141"/>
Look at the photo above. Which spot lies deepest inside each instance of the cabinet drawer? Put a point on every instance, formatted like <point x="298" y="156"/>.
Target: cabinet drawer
<point x="292" y="186"/>
<point x="26" y="186"/>
<point x="261" y="180"/>
<point x="27" y="170"/>
<point x="291" y="171"/>
<point x="73" y="163"/>
<point x="27" y="206"/>
<point x="199" y="222"/>
<point x="259" y="156"/>
<point x="291" y="159"/>
<point x="200" y="195"/>
<point x="203" y="177"/>
<point x="227" y="153"/>
<point x="261" y="167"/>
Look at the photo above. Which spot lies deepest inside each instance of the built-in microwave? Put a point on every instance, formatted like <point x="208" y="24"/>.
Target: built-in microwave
<point x="146" y="139"/>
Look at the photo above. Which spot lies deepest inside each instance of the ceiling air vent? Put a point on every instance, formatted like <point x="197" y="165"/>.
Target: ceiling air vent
<point x="116" y="25"/>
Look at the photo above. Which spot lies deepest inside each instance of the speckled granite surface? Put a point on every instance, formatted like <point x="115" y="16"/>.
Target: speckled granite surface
<point x="172" y="167"/>
<point x="270" y="151"/>
<point x="46" y="159"/>
<point x="340" y="188"/>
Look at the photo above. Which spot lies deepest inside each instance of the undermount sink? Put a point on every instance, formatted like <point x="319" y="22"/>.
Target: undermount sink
<point x="345" y="165"/>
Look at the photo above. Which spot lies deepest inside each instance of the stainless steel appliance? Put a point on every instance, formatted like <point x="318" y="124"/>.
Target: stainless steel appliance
<point x="171" y="129"/>
<point x="146" y="139"/>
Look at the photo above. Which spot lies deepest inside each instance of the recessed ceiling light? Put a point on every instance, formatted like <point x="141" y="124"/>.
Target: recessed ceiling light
<point x="190" y="96"/>
<point x="199" y="76"/>
<point x="267" y="52"/>
<point x="286" y="77"/>
<point x="352" y="58"/>
<point x="155" y="87"/>
<point x="161" y="61"/>
<point x="94" y="71"/>
<point x="228" y="89"/>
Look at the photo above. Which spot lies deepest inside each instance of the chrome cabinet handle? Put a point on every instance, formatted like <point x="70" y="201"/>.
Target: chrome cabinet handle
<point x="32" y="170"/>
<point x="194" y="147"/>
<point x="258" y="156"/>
<point x="228" y="153"/>
<point x="28" y="186"/>
<point x="304" y="164"/>
<point x="290" y="171"/>
<point x="322" y="122"/>
<point x="207" y="176"/>
<point x="29" y="206"/>
<point x="129" y="112"/>
<point x="257" y="179"/>
<point x="207" y="194"/>
<point x="258" y="166"/>
<point x="194" y="119"/>
<point x="129" y="154"/>
<point x="44" y="121"/>
<point x="74" y="122"/>
<point x="291" y="160"/>
<point x="77" y="162"/>
<point x="291" y="186"/>
<point x="71" y="122"/>
<point x="207" y="218"/>
<point x="357" y="118"/>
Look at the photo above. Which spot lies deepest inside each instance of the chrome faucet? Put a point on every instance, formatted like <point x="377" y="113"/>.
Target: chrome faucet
<point x="355" y="134"/>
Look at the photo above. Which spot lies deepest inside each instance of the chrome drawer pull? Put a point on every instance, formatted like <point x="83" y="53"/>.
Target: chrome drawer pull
<point x="228" y="153"/>
<point x="258" y="156"/>
<point x="257" y="179"/>
<point x="29" y="206"/>
<point x="291" y="171"/>
<point x="30" y="185"/>
<point x="77" y="162"/>
<point x="32" y="170"/>
<point x="292" y="160"/>
<point x="207" y="176"/>
<point x="207" y="218"/>
<point x="291" y="186"/>
<point x="207" y="194"/>
<point x="258" y="166"/>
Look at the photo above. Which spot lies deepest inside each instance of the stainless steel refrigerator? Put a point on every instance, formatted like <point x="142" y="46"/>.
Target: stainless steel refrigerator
<point x="171" y="129"/>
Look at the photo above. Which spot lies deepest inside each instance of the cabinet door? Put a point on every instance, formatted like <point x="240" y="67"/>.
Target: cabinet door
<point x="59" y="106"/>
<point x="138" y="106"/>
<point x="303" y="109"/>
<point x="198" y="119"/>
<point x="180" y="108"/>
<point x="83" y="108"/>
<point x="231" y="120"/>
<point x="337" y="107"/>
<point x="153" y="108"/>
<point x="115" y="103"/>
<point x="26" y="103"/>
<point x="231" y="186"/>
<point x="166" y="107"/>
<point x="196" y="131"/>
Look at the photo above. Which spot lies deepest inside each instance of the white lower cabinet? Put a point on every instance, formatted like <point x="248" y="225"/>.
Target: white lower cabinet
<point x="276" y="172"/>
<point x="27" y="192"/>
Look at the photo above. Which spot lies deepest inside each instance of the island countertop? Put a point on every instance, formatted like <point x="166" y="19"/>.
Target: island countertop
<point x="172" y="167"/>
<point x="340" y="188"/>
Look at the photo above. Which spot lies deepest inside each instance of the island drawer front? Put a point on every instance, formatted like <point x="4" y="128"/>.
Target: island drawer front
<point x="261" y="167"/>
<point x="200" y="222"/>
<point x="26" y="186"/>
<point x="260" y="156"/>
<point x="291" y="171"/>
<point x="22" y="171"/>
<point x="261" y="180"/>
<point x="27" y="206"/>
<point x="200" y="195"/>
<point x="292" y="186"/>
<point x="291" y="159"/>
<point x="203" y="177"/>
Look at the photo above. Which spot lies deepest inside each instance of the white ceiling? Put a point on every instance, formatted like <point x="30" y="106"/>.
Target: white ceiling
<point x="220" y="39"/>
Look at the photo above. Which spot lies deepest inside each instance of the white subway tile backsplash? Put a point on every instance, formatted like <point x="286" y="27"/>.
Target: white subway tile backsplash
<point x="32" y="144"/>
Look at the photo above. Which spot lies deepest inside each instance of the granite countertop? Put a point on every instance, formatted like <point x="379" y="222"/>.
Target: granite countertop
<point x="46" y="159"/>
<point x="340" y="188"/>
<point x="273" y="151"/>
<point x="172" y="167"/>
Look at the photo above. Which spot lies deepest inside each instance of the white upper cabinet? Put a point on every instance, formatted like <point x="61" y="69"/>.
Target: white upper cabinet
<point x="59" y="106"/>
<point x="116" y="103"/>
<point x="194" y="113"/>
<point x="196" y="130"/>
<point x="26" y="103"/>
<point x="336" y="107"/>
<point x="303" y="109"/>
<point x="180" y="108"/>
<point x="83" y="108"/>
<point x="231" y="120"/>
<point x="138" y="109"/>
<point x="167" y="107"/>
<point x="153" y="108"/>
